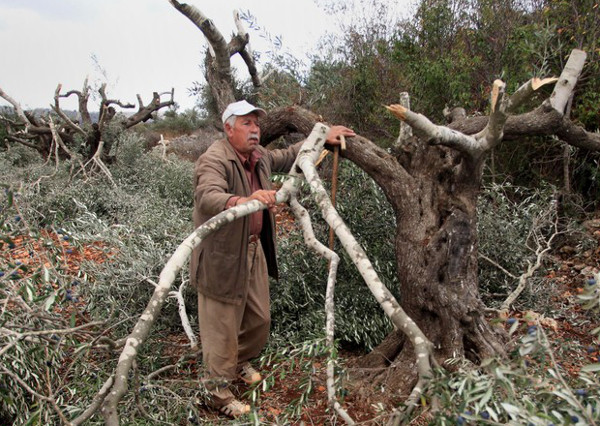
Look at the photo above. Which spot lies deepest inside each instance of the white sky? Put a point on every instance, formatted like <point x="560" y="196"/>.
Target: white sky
<point x="143" y="45"/>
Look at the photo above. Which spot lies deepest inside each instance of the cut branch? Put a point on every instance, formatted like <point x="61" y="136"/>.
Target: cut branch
<point x="526" y="91"/>
<point x="16" y="106"/>
<point x="218" y="65"/>
<point x="145" y="111"/>
<point x="405" y="132"/>
<point x="185" y="322"/>
<point x="308" y="155"/>
<point x="311" y="241"/>
<point x="423" y="347"/>
<point x="434" y="134"/>
<point x="567" y="81"/>
<point x="60" y="112"/>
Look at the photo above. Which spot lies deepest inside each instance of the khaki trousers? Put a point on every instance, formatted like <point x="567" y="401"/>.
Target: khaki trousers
<point x="232" y="334"/>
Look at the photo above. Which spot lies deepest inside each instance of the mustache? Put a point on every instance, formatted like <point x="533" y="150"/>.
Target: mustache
<point x="253" y="136"/>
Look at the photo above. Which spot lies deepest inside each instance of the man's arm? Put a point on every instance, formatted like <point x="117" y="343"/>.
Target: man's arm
<point x="211" y="194"/>
<point x="265" y="196"/>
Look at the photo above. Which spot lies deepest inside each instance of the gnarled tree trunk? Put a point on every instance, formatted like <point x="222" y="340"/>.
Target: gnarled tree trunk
<point x="436" y="256"/>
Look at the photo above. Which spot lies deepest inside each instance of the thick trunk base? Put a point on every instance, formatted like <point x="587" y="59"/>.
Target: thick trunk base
<point x="391" y="366"/>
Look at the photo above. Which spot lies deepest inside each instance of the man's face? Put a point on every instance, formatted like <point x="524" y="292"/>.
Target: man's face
<point x="244" y="136"/>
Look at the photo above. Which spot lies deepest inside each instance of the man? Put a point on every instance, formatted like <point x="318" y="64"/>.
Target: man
<point x="230" y="268"/>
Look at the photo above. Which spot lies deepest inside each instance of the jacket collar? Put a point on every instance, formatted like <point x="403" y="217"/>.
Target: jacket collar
<point x="231" y="153"/>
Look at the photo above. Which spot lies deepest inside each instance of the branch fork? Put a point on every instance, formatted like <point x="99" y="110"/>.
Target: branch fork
<point x="304" y="164"/>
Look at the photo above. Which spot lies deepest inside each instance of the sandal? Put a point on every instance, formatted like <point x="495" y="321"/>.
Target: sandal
<point x="235" y="409"/>
<point x="249" y="375"/>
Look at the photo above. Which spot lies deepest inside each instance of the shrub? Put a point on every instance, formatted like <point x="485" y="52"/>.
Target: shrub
<point x="529" y="387"/>
<point x="178" y="123"/>
<point x="132" y="227"/>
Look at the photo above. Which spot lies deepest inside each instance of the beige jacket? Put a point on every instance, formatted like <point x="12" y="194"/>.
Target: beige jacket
<point x="218" y="264"/>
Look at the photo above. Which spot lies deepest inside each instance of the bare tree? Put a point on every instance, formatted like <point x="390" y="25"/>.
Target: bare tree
<point x="218" y="58"/>
<point x="47" y="135"/>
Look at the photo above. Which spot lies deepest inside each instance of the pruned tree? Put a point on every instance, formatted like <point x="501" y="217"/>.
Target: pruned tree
<point x="47" y="134"/>
<point x="432" y="180"/>
<point x="217" y="61"/>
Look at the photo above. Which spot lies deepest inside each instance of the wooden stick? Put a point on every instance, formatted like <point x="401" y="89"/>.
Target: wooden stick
<point x="334" y="176"/>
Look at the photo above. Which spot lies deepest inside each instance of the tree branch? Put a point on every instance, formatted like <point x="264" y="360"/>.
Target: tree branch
<point x="307" y="157"/>
<point x="434" y="134"/>
<point x="212" y="34"/>
<point x="405" y="132"/>
<point x="245" y="50"/>
<point x="311" y="241"/>
<point x="567" y="81"/>
<point x="488" y="132"/>
<point x="145" y="111"/>
<point x="17" y="108"/>
<point x="60" y="112"/>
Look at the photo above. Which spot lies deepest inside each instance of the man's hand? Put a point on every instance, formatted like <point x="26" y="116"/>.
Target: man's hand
<point x="333" y="136"/>
<point x="263" y="195"/>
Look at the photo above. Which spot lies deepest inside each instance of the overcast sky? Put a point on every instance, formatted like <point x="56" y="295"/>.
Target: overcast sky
<point x="143" y="45"/>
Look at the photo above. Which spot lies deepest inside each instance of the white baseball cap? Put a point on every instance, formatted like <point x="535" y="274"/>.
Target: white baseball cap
<point x="241" y="108"/>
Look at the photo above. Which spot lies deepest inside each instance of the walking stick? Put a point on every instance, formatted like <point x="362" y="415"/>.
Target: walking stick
<point x="334" y="176"/>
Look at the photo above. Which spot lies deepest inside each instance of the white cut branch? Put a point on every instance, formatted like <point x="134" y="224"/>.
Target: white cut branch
<point x="305" y="160"/>
<point x="526" y="91"/>
<point x="303" y="218"/>
<point x="185" y="322"/>
<point x="567" y="81"/>
<point x="216" y="41"/>
<point x="16" y="106"/>
<point x="476" y="145"/>
<point x="422" y="346"/>
<point x="405" y="132"/>
<point x="434" y="134"/>
<point x="502" y="106"/>
<point x="492" y="134"/>
<point x="241" y="29"/>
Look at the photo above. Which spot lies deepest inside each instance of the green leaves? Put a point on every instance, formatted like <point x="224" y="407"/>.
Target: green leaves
<point x="591" y="368"/>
